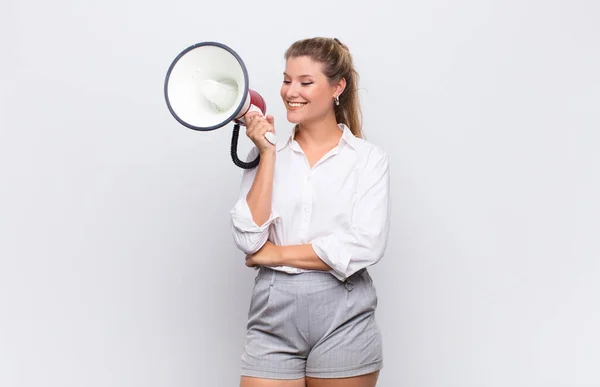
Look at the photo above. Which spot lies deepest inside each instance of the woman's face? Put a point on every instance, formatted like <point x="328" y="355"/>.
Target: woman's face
<point x="306" y="91"/>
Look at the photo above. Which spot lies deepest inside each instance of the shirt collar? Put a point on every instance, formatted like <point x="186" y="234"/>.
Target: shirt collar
<point x="347" y="138"/>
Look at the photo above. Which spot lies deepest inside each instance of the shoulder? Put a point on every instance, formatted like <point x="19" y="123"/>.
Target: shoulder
<point x="371" y="154"/>
<point x="367" y="151"/>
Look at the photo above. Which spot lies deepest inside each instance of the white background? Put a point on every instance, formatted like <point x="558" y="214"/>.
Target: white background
<point x="117" y="266"/>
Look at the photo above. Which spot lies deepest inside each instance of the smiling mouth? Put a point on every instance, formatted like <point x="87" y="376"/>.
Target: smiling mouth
<point x="296" y="105"/>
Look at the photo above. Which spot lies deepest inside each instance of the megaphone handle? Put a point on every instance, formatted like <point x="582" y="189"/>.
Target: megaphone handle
<point x="234" y="142"/>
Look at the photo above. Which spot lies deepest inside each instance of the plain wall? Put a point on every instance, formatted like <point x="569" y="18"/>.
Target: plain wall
<point x="117" y="266"/>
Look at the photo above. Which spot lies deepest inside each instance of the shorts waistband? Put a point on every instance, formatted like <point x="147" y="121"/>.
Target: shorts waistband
<point x="308" y="276"/>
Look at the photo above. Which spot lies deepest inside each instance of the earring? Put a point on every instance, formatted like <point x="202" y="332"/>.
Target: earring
<point x="337" y="100"/>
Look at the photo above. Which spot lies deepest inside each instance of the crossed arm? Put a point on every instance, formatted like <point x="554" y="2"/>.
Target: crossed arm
<point x="300" y="256"/>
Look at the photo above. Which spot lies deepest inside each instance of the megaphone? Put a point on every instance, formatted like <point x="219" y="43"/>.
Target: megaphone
<point x="206" y="88"/>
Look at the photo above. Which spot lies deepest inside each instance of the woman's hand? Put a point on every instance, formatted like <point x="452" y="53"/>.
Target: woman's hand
<point x="256" y="127"/>
<point x="268" y="255"/>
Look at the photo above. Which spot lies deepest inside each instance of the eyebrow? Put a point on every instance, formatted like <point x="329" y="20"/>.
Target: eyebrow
<point x="301" y="76"/>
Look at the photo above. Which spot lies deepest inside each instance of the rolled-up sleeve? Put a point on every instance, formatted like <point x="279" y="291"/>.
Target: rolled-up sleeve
<point x="362" y="244"/>
<point x="247" y="235"/>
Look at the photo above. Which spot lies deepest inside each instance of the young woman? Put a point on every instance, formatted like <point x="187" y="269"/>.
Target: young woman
<point x="312" y="217"/>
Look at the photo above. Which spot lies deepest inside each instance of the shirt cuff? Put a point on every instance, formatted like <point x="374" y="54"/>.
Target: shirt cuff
<point x="242" y="218"/>
<point x="333" y="255"/>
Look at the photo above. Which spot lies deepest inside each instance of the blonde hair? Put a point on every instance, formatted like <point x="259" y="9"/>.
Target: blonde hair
<point x="337" y="64"/>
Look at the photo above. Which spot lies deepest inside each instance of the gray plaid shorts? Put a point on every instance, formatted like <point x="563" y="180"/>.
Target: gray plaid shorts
<point x="311" y="324"/>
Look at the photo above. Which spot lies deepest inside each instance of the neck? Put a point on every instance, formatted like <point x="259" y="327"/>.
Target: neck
<point x="319" y="133"/>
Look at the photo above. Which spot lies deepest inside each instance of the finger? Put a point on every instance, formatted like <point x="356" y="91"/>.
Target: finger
<point x="262" y="127"/>
<point x="249" y="118"/>
<point x="263" y="133"/>
<point x="270" y="120"/>
<point x="252" y="125"/>
<point x="250" y="121"/>
<point x="255" y="122"/>
<point x="251" y="115"/>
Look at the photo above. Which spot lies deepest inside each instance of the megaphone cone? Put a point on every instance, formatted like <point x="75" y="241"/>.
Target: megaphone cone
<point x="206" y="88"/>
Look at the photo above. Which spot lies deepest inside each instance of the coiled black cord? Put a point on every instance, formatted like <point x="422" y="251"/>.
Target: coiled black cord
<point x="234" y="143"/>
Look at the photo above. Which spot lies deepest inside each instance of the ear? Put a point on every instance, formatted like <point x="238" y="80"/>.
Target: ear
<point x="339" y="87"/>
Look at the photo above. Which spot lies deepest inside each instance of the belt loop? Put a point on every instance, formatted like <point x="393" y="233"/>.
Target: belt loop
<point x="273" y="274"/>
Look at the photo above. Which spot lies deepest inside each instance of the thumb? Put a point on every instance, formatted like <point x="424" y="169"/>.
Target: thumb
<point x="270" y="120"/>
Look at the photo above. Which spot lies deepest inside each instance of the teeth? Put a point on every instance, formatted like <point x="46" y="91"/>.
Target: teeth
<point x="296" y="104"/>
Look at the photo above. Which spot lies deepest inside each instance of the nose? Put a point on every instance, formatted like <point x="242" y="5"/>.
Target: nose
<point x="292" y="90"/>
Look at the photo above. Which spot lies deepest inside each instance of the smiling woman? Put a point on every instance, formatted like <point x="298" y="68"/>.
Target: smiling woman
<point x="331" y="62"/>
<point x="313" y="216"/>
<point x="307" y="92"/>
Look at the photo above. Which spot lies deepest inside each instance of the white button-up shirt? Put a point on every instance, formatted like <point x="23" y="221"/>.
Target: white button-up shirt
<point x="341" y="206"/>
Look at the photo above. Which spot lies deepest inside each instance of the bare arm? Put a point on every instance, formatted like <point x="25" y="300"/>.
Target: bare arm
<point x="260" y="195"/>
<point x="300" y="256"/>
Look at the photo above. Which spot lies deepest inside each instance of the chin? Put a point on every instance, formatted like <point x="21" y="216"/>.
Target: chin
<point x="293" y="118"/>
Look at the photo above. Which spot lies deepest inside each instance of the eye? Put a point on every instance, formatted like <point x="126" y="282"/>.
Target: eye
<point x="287" y="82"/>
<point x="306" y="83"/>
